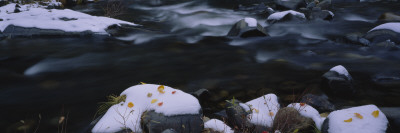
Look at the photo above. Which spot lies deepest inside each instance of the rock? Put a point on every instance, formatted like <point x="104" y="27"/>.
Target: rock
<point x="367" y="118"/>
<point x="247" y="27"/>
<point x="393" y="115"/>
<point x="237" y="116"/>
<point x="285" y="16"/>
<point x="216" y="126"/>
<point x="152" y="122"/>
<point x="319" y="102"/>
<point x="289" y="4"/>
<point x="357" y="38"/>
<point x="338" y="82"/>
<point x="389" y="17"/>
<point x="382" y="35"/>
<point x="321" y="15"/>
<point x="288" y="119"/>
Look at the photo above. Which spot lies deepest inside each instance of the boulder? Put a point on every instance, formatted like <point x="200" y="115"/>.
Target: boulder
<point x="247" y="27"/>
<point x="319" y="102"/>
<point x="338" y="82"/>
<point x="321" y="15"/>
<point x="361" y="119"/>
<point x="288" y="119"/>
<point x="289" y="4"/>
<point x="381" y="35"/>
<point x="286" y="16"/>
<point x="389" y="17"/>
<point x="152" y="122"/>
<point x="237" y="116"/>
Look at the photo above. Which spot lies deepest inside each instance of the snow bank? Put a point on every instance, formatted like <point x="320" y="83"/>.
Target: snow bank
<point x="341" y="70"/>
<point x="218" y="125"/>
<point x="263" y="109"/>
<point x="394" y="26"/>
<point x="140" y="98"/>
<point x="309" y="112"/>
<point x="280" y="15"/>
<point x="67" y="20"/>
<point x="362" y="119"/>
<point x="251" y="22"/>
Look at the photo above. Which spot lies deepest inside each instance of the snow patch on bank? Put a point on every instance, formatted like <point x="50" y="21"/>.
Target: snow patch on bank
<point x="140" y="98"/>
<point x="35" y="16"/>
<point x="218" y="125"/>
<point x="388" y="26"/>
<point x="362" y="119"/>
<point x="280" y="15"/>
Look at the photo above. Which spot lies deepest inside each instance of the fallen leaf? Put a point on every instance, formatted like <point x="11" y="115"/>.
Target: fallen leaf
<point x="173" y="92"/>
<point x="142" y="83"/>
<point x="154" y="100"/>
<point x="160" y="104"/>
<point x="358" y="115"/>
<point x="130" y="105"/>
<point x="375" y="113"/>
<point x="256" y="110"/>
<point x="348" y="120"/>
<point x="271" y="113"/>
<point x="161" y="89"/>
<point x="296" y="131"/>
<point x="302" y="104"/>
<point x="149" y="94"/>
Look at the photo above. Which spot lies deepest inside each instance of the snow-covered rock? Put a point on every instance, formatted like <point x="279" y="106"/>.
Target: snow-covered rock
<point x="289" y="15"/>
<point x="309" y="112"/>
<point x="263" y="109"/>
<point x="394" y="26"/>
<point x="218" y="125"/>
<point x="251" y="22"/>
<point x="338" y="82"/>
<point x="247" y="27"/>
<point x="388" y="32"/>
<point x="362" y="119"/>
<point x="36" y="16"/>
<point x="148" y="97"/>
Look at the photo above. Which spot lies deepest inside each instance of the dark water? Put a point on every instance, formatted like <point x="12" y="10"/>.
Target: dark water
<point x="182" y="44"/>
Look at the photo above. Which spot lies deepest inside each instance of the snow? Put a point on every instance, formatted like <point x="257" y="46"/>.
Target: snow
<point x="174" y="102"/>
<point x="309" y="112"/>
<point x="341" y="70"/>
<point x="218" y="125"/>
<point x="368" y="123"/>
<point x="263" y="109"/>
<point x="280" y="15"/>
<point x="251" y="22"/>
<point x="36" y="16"/>
<point x="394" y="26"/>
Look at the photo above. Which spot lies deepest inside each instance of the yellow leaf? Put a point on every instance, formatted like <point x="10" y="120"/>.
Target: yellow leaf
<point x="375" y="113"/>
<point x="358" y="115"/>
<point x="271" y="113"/>
<point x="142" y="83"/>
<point x="149" y="94"/>
<point x="161" y="89"/>
<point x="256" y="110"/>
<point x="296" y="131"/>
<point x="154" y="101"/>
<point x="130" y="105"/>
<point x="348" y="120"/>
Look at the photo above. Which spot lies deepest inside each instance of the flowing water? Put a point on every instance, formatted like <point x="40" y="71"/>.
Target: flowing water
<point x="182" y="44"/>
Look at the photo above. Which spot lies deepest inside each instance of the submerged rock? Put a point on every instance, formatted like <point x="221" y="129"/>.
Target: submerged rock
<point x="288" y="119"/>
<point x="289" y="4"/>
<point x="152" y="122"/>
<point x="338" y="82"/>
<point x="321" y="15"/>
<point x="247" y="27"/>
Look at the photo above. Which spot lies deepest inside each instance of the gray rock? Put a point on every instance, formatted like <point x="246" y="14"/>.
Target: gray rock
<point x="289" y="119"/>
<point x="152" y="122"/>
<point x="325" y="126"/>
<point x="357" y="38"/>
<point x="336" y="84"/>
<point x="242" y="29"/>
<point x="382" y="35"/>
<point x="290" y="4"/>
<point x="287" y="18"/>
<point x="389" y="17"/>
<point x="319" y="102"/>
<point x="320" y="15"/>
